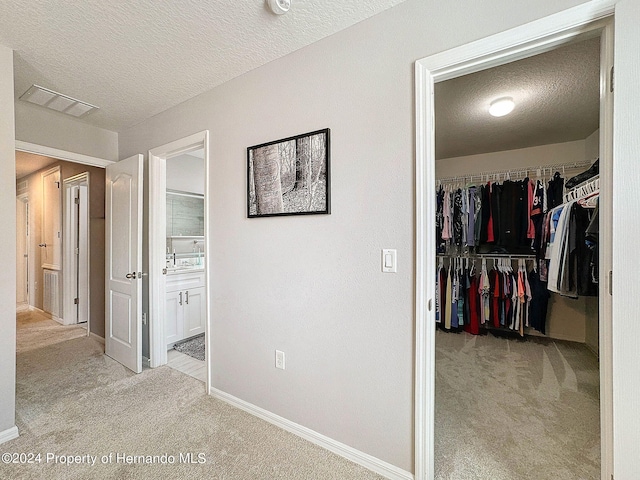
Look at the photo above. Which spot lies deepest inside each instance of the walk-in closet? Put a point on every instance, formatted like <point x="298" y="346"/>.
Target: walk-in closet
<point x="517" y="279"/>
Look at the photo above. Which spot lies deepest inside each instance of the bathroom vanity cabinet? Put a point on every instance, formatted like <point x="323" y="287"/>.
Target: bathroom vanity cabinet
<point x="185" y="304"/>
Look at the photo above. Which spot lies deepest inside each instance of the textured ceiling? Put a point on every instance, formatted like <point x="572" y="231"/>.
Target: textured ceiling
<point x="136" y="59"/>
<point x="556" y="96"/>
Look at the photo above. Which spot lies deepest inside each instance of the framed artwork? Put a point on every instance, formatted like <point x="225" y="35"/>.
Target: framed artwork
<point x="289" y="176"/>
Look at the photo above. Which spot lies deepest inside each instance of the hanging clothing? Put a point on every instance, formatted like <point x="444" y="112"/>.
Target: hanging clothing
<point x="539" y="302"/>
<point x="471" y="217"/>
<point x="447" y="216"/>
<point x="473" y="326"/>
<point x="448" y="300"/>
<point x="555" y="191"/>
<point x="457" y="217"/>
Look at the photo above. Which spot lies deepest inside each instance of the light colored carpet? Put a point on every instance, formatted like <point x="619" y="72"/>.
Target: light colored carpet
<point x="509" y="410"/>
<point x="73" y="400"/>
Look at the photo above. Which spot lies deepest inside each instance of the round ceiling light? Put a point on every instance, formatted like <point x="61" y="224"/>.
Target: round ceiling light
<point x="279" y="7"/>
<point x="501" y="106"/>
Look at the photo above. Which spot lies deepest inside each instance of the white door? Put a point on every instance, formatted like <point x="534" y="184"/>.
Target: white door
<point x="123" y="316"/>
<point x="82" y="256"/>
<point x="21" y="252"/>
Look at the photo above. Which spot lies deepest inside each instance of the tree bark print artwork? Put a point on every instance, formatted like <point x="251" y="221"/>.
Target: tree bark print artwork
<point x="289" y="176"/>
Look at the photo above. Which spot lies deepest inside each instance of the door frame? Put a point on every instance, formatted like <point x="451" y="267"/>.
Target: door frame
<point x="521" y="42"/>
<point x="157" y="185"/>
<point x="70" y="260"/>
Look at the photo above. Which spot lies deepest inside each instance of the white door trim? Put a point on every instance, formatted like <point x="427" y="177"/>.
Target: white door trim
<point x="157" y="243"/>
<point x="530" y="39"/>
<point x="61" y="154"/>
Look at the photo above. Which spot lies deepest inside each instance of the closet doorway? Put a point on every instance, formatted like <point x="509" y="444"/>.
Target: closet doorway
<point x="75" y="263"/>
<point x="497" y="51"/>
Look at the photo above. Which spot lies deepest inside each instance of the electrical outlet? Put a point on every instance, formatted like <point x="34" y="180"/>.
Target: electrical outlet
<point x="279" y="359"/>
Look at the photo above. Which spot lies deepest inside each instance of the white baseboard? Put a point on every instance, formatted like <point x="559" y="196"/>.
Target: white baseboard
<point x="22" y="307"/>
<point x="97" y="338"/>
<point x="364" y="459"/>
<point x="9" y="434"/>
<point x="36" y="309"/>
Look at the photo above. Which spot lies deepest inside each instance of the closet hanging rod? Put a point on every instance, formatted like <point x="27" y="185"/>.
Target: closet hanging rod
<point x="515" y="172"/>
<point x="514" y="256"/>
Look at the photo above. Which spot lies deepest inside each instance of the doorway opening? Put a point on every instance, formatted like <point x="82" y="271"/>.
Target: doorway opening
<point x="537" y="37"/>
<point x="185" y="286"/>
<point x="178" y="254"/>
<point x="76" y="268"/>
<point x="57" y="265"/>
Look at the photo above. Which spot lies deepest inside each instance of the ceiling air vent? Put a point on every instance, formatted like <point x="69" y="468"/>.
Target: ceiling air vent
<point x="57" y="101"/>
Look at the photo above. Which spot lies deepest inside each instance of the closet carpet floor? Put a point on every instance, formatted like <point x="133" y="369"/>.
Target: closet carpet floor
<point x="509" y="410"/>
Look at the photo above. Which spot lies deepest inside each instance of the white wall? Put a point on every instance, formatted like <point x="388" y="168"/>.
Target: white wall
<point x="185" y="173"/>
<point x="626" y="228"/>
<point x="312" y="286"/>
<point x="38" y="125"/>
<point x="8" y="242"/>
<point x="592" y="146"/>
<point x="530" y="157"/>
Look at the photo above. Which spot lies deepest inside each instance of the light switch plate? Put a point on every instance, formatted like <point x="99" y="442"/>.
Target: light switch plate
<point x="280" y="359"/>
<point x="389" y="260"/>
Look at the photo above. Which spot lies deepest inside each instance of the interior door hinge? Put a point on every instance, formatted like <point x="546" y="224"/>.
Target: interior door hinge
<point x="76" y="301"/>
<point x="77" y="251"/>
<point x="611" y="80"/>
<point x="76" y="201"/>
<point x="610" y="282"/>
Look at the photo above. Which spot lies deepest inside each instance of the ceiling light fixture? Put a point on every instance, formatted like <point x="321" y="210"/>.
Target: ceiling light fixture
<point x="279" y="7"/>
<point x="57" y="101"/>
<point x="501" y="106"/>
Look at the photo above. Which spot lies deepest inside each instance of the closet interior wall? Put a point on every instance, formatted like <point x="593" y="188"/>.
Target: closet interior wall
<point x="568" y="319"/>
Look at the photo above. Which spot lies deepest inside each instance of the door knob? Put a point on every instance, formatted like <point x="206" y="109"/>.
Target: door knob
<point x="131" y="275"/>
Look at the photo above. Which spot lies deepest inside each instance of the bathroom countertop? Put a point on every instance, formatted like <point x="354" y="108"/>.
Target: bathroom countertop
<point x="184" y="269"/>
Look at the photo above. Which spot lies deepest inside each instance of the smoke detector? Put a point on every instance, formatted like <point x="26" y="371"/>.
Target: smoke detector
<point x="279" y="7"/>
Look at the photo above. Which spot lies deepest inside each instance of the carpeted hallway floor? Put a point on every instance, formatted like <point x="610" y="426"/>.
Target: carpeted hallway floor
<point x="73" y="400"/>
<point x="505" y="410"/>
<point x="511" y="410"/>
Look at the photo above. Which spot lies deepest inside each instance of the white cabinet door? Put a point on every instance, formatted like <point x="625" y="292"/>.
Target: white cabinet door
<point x="194" y="311"/>
<point x="173" y="317"/>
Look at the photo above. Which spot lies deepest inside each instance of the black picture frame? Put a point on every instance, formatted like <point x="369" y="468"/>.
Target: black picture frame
<point x="290" y="177"/>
